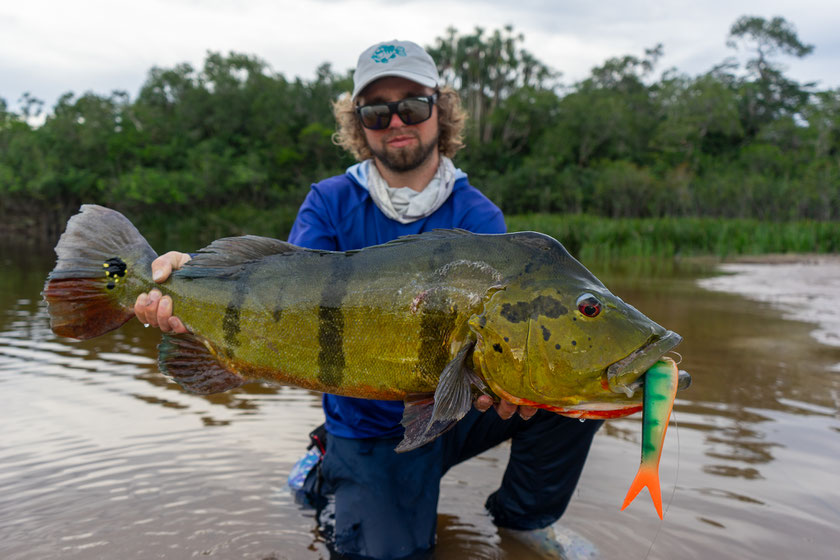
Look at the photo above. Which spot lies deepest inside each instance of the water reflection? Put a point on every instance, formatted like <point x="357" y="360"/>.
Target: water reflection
<point x="103" y="457"/>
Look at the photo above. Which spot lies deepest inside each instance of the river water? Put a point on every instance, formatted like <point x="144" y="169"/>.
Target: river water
<point x="102" y="457"/>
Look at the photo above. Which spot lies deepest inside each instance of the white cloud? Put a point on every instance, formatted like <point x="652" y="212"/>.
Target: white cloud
<point x="49" y="47"/>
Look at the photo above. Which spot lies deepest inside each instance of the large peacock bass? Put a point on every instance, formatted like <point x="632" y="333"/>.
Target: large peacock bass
<point x="430" y="319"/>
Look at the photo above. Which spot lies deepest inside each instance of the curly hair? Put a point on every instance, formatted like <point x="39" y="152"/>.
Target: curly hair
<point x="451" y="119"/>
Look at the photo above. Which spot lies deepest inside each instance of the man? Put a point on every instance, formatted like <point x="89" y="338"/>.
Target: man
<point x="403" y="127"/>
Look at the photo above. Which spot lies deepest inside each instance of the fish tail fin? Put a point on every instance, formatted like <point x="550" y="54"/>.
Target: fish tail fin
<point x="648" y="475"/>
<point x="103" y="265"/>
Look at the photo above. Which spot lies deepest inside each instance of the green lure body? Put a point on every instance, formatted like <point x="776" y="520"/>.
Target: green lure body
<point x="661" y="383"/>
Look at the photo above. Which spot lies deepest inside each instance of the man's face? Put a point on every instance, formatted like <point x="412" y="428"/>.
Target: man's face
<point x="400" y="147"/>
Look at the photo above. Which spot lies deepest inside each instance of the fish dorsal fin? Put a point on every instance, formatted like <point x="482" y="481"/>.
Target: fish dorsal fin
<point x="232" y="252"/>
<point x="433" y="235"/>
<point x="235" y="250"/>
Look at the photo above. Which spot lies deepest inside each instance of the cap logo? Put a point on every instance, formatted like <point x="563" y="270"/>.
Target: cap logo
<point x="387" y="52"/>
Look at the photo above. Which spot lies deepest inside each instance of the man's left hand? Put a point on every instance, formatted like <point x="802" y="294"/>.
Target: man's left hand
<point x="504" y="409"/>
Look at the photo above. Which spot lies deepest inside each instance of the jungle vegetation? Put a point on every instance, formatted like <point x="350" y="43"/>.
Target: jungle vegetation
<point x="233" y="146"/>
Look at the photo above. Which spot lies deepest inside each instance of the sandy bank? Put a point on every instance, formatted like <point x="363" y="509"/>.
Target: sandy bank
<point x="786" y="258"/>
<point x="803" y="287"/>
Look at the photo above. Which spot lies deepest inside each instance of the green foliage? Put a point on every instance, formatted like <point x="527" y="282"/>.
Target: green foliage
<point x="486" y="70"/>
<point x="193" y="140"/>
<point x="634" y="163"/>
<point x="195" y="230"/>
<point x="598" y="238"/>
<point x="766" y="93"/>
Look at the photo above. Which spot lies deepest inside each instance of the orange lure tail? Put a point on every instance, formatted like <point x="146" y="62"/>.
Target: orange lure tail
<point x="646" y="476"/>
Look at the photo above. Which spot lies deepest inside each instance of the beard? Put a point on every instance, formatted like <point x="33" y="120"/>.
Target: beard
<point x="405" y="159"/>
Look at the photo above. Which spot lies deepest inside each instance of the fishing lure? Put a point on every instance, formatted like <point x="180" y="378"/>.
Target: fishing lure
<point x="661" y="383"/>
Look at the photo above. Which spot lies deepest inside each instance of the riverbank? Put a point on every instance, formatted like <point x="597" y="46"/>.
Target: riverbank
<point x="804" y="287"/>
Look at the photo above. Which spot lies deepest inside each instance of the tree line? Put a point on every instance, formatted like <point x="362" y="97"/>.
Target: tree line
<point x="738" y="141"/>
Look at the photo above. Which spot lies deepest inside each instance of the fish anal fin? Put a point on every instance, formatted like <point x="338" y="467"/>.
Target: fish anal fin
<point x="415" y="420"/>
<point x="191" y="364"/>
<point x="426" y="418"/>
<point x="647" y="475"/>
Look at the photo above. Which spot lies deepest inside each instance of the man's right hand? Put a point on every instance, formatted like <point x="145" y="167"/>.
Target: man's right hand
<point x="152" y="309"/>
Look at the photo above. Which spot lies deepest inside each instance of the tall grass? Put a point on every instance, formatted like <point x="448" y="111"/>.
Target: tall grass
<point x="586" y="237"/>
<point x="593" y="237"/>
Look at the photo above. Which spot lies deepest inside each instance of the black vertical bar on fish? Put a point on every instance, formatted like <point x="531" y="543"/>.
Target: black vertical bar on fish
<point x="436" y="324"/>
<point x="437" y="319"/>
<point x="231" y="321"/>
<point x="277" y="312"/>
<point x="331" y="322"/>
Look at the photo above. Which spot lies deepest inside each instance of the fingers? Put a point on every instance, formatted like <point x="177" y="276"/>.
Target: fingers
<point x="140" y="307"/>
<point x="177" y="326"/>
<point x="164" y="313"/>
<point x="146" y="307"/>
<point x="163" y="266"/>
<point x="155" y="310"/>
<point x="161" y="269"/>
<point x="527" y="412"/>
<point x="483" y="403"/>
<point x="504" y="409"/>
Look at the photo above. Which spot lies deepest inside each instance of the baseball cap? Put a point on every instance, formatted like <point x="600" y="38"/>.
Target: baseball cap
<point x="403" y="59"/>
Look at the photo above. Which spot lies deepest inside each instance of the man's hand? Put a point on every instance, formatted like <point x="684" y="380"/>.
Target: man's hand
<point x="504" y="409"/>
<point x="152" y="309"/>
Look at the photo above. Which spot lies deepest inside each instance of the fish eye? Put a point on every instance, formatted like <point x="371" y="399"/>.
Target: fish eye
<point x="589" y="305"/>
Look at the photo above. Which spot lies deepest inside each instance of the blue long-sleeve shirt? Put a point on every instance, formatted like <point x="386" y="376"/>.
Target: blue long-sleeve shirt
<point x="340" y="215"/>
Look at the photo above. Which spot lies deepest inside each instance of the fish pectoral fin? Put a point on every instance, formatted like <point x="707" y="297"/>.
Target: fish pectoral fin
<point x="191" y="364"/>
<point x="427" y="417"/>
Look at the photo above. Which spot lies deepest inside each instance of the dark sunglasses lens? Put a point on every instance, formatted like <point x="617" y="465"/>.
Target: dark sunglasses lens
<point x="375" y="117"/>
<point x="413" y="111"/>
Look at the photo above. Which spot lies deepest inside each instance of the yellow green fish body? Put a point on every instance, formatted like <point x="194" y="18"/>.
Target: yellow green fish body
<point x="447" y="312"/>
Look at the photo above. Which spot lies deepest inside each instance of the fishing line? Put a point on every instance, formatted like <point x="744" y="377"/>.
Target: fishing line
<point x="674" y="490"/>
<point x="677" y="473"/>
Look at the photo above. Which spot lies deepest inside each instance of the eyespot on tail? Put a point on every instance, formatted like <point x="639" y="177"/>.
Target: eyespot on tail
<point x="646" y="476"/>
<point x="103" y="264"/>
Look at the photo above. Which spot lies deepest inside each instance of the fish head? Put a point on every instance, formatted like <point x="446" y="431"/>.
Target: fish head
<point x="557" y="336"/>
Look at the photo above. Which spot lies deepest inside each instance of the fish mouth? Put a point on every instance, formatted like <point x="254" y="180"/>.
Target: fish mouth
<point x="621" y="375"/>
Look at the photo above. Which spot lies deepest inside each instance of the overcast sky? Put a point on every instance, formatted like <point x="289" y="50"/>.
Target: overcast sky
<point x="49" y="47"/>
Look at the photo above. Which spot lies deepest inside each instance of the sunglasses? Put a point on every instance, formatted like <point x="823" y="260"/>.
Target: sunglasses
<point x="411" y="110"/>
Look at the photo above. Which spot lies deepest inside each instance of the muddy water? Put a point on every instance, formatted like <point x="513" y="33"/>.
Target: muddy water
<point x="102" y="457"/>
